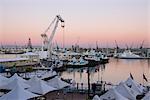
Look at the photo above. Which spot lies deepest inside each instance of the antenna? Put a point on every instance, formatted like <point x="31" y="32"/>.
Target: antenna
<point x="96" y="45"/>
<point x="63" y="36"/>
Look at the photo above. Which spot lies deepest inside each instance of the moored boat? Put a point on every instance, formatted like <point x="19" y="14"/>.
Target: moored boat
<point x="95" y="58"/>
<point x="127" y="54"/>
<point x="77" y="63"/>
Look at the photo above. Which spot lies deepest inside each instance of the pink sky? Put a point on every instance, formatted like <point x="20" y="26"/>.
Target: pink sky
<point x="87" y="21"/>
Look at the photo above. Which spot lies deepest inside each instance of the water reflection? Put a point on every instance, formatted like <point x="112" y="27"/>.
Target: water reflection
<point x="115" y="71"/>
<point x="80" y="74"/>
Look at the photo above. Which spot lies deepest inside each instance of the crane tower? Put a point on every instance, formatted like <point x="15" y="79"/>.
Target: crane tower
<point x="47" y="42"/>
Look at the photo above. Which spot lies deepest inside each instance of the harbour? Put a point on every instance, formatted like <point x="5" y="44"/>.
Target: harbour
<point x="74" y="50"/>
<point x="115" y="66"/>
<point x="104" y="76"/>
<point x="83" y="73"/>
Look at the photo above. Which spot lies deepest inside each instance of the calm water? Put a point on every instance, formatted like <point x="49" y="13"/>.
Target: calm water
<point x="115" y="71"/>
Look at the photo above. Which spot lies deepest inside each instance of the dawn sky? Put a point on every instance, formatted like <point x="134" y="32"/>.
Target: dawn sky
<point x="86" y="21"/>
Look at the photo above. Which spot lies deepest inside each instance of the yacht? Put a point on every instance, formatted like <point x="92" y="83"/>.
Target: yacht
<point x="77" y="63"/>
<point x="127" y="54"/>
<point x="95" y="58"/>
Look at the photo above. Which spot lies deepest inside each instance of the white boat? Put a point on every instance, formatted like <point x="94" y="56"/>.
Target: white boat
<point x="127" y="54"/>
<point x="92" y="55"/>
<point x="95" y="58"/>
<point x="77" y="62"/>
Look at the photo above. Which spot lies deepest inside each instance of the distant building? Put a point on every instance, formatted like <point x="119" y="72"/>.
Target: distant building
<point x="26" y="59"/>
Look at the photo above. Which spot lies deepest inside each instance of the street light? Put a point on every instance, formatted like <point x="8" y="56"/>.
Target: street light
<point x="88" y="73"/>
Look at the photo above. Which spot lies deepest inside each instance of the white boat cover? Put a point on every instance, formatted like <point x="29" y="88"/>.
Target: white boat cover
<point x="147" y="96"/>
<point x="112" y="94"/>
<point x="127" y="92"/>
<point x="134" y="85"/>
<point x="18" y="93"/>
<point x="32" y="80"/>
<point x="57" y="83"/>
<point x="15" y="76"/>
<point x="96" y="97"/>
<point x="3" y="80"/>
<point x="39" y="86"/>
<point x="1" y="94"/>
<point x="12" y="84"/>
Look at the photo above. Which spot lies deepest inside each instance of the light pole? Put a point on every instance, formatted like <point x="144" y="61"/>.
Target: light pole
<point x="88" y="72"/>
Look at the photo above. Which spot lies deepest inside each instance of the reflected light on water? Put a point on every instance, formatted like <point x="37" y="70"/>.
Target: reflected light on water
<point x="115" y="71"/>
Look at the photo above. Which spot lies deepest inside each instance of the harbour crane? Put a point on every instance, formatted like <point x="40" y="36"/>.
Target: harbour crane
<point x="117" y="47"/>
<point x="141" y="46"/>
<point x="47" y="42"/>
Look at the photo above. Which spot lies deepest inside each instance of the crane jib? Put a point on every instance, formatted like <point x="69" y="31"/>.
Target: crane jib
<point x="48" y="41"/>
